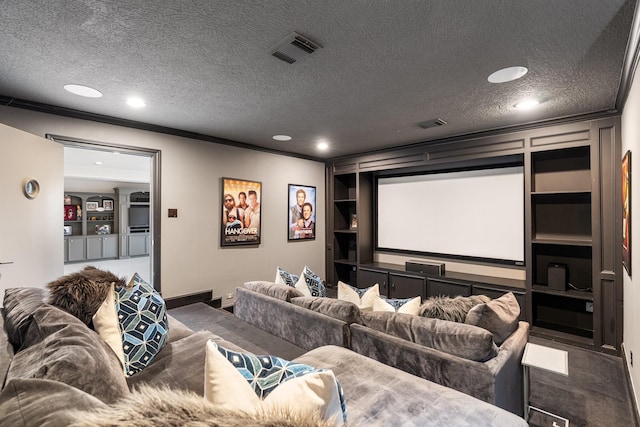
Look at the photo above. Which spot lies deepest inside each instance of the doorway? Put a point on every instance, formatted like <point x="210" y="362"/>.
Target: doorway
<point x="114" y="191"/>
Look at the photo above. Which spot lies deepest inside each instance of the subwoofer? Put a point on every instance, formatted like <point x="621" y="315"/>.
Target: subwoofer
<point x="557" y="276"/>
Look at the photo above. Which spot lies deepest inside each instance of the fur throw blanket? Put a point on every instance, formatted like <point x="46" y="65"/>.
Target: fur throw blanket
<point x="163" y="407"/>
<point x="452" y="309"/>
<point x="82" y="293"/>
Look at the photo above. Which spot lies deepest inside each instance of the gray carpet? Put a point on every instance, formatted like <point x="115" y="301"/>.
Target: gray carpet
<point x="594" y="394"/>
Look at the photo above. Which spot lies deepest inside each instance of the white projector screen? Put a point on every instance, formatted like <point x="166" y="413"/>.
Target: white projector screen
<point x="476" y="214"/>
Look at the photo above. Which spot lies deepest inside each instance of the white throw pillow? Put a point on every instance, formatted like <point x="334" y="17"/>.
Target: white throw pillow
<point x="363" y="298"/>
<point x="233" y="380"/>
<point x="310" y="284"/>
<point x="398" y="305"/>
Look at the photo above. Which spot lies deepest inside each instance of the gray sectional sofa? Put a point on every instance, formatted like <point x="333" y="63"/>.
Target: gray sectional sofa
<point x="53" y="364"/>
<point x="459" y="356"/>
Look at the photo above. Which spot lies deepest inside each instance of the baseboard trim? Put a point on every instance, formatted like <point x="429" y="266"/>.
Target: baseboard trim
<point x="627" y="374"/>
<point x="179" y="301"/>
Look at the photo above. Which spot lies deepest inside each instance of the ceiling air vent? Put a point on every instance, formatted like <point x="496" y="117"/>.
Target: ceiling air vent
<point x="293" y="48"/>
<point x="432" y="123"/>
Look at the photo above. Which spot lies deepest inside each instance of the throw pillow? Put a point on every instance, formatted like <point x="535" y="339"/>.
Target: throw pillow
<point x="498" y="316"/>
<point x="363" y="298"/>
<point x="451" y="309"/>
<point x="250" y="383"/>
<point x="285" y="278"/>
<point x="19" y="305"/>
<point x="149" y="406"/>
<point x="83" y="292"/>
<point x="310" y="284"/>
<point x="398" y="305"/>
<point x="134" y="324"/>
<point x="59" y="347"/>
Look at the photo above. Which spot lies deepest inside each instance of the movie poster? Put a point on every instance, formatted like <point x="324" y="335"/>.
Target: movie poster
<point x="241" y="202"/>
<point x="302" y="212"/>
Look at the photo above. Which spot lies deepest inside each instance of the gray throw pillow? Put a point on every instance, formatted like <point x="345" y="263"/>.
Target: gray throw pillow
<point x="499" y="316"/>
<point x="275" y="290"/>
<point x="342" y="310"/>
<point x="19" y="305"/>
<point x="452" y="309"/>
<point x="458" y="339"/>
<point x="59" y="347"/>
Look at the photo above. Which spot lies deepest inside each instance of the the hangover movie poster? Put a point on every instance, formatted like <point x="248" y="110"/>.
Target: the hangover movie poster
<point x="241" y="202"/>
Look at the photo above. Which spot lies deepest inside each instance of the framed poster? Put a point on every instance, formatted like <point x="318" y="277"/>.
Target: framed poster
<point x="626" y="212"/>
<point x="302" y="212"/>
<point x="241" y="202"/>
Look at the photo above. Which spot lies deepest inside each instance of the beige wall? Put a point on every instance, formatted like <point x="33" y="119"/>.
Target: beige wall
<point x="631" y="141"/>
<point x="192" y="260"/>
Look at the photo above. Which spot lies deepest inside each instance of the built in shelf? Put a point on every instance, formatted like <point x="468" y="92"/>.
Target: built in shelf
<point x="570" y="293"/>
<point x="345" y="262"/>
<point x="345" y="231"/>
<point x="345" y="201"/>
<point x="541" y="331"/>
<point x="566" y="239"/>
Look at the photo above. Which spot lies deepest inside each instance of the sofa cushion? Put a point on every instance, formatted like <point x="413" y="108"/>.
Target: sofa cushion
<point x="453" y="309"/>
<point x="275" y="290"/>
<point x="19" y="305"/>
<point x="459" y="339"/>
<point x="250" y="383"/>
<point x="363" y="298"/>
<point x="397" y="305"/>
<point x="133" y="322"/>
<point x="82" y="293"/>
<point x="499" y="316"/>
<point x="342" y="310"/>
<point x="45" y="403"/>
<point x="59" y="347"/>
<point x="285" y="278"/>
<point x="310" y="284"/>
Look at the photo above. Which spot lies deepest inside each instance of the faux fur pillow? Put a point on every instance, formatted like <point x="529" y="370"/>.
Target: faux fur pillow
<point x="82" y="293"/>
<point x="164" y="407"/>
<point x="451" y="309"/>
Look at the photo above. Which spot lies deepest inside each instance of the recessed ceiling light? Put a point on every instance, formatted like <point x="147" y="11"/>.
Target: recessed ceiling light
<point x="527" y="104"/>
<point x="98" y="162"/>
<point x="81" y="90"/>
<point x="323" y="145"/>
<point x="507" y="74"/>
<point x="136" y="102"/>
<point x="281" y="137"/>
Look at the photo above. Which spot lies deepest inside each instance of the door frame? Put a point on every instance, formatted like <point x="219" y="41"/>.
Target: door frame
<point x="155" y="182"/>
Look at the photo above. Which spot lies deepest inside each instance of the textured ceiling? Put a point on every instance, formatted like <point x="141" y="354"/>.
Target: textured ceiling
<point x="204" y="66"/>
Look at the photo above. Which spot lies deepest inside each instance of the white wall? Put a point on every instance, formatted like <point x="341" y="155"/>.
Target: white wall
<point x="192" y="260"/>
<point x="631" y="141"/>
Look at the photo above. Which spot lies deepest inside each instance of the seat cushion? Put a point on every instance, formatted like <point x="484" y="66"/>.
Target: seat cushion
<point x="276" y="290"/>
<point x="342" y="310"/>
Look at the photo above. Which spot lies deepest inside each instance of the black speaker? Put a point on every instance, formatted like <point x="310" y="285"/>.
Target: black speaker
<point x="557" y="276"/>
<point x="435" y="269"/>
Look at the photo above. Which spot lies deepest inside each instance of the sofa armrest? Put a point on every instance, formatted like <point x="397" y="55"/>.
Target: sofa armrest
<point x="301" y="326"/>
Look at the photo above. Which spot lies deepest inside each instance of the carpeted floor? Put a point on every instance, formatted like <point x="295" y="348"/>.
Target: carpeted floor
<point x="594" y="394"/>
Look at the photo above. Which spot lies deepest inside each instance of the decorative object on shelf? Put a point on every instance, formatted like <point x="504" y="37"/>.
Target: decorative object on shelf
<point x="240" y="220"/>
<point x="626" y="212"/>
<point x="107" y="205"/>
<point x="67" y="199"/>
<point x="68" y="230"/>
<point x="92" y="206"/>
<point x="30" y="188"/>
<point x="70" y="213"/>
<point x="354" y="221"/>
<point x="302" y="217"/>
<point x="103" y="229"/>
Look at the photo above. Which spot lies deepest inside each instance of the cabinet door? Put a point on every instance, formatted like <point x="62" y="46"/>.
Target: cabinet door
<point x="404" y="286"/>
<point x="437" y="287"/>
<point x="94" y="247"/>
<point x="368" y="278"/>
<point x="76" y="248"/>
<point x="138" y="245"/>
<point x="110" y="246"/>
